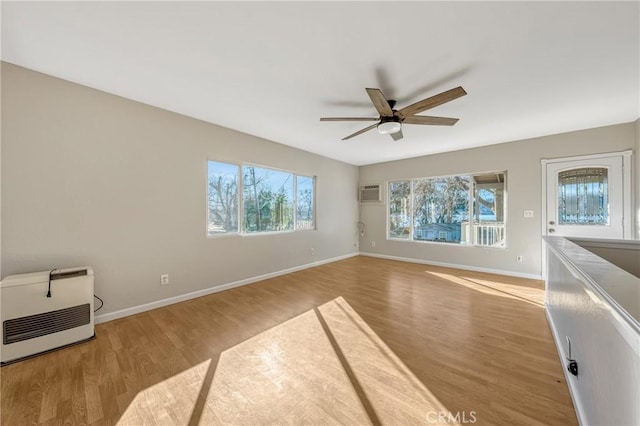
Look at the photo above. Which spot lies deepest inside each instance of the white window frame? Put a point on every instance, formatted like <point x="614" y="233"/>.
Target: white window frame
<point x="471" y="187"/>
<point x="240" y="194"/>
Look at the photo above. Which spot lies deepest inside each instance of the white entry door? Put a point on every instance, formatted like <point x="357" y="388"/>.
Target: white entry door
<point x="585" y="197"/>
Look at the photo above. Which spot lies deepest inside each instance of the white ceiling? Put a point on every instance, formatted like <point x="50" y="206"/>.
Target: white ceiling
<point x="273" y="69"/>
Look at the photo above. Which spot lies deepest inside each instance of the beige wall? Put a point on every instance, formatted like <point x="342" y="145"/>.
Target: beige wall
<point x="521" y="160"/>
<point x="626" y="258"/>
<point x="89" y="178"/>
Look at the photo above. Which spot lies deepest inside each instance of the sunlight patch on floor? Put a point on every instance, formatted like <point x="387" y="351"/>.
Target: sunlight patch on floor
<point x="288" y="374"/>
<point x="525" y="293"/>
<point x="168" y="402"/>
<point x="325" y="366"/>
<point x="395" y="393"/>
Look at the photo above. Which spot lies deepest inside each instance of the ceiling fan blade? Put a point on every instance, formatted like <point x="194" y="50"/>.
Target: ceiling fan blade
<point x="348" y="119"/>
<point x="433" y="101"/>
<point x="433" y="121"/>
<point x="366" y="129"/>
<point x="397" y="135"/>
<point x="380" y="102"/>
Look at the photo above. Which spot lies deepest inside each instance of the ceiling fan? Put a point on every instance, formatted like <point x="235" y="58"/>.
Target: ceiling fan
<point x="391" y="120"/>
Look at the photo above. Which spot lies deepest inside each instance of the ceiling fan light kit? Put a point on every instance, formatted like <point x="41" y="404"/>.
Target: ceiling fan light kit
<point x="387" y="127"/>
<point x="390" y="120"/>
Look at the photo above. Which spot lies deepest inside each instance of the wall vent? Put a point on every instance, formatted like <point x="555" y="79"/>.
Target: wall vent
<point x="32" y="326"/>
<point x="370" y="193"/>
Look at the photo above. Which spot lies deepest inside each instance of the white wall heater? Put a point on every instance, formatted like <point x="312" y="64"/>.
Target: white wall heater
<point x="33" y="323"/>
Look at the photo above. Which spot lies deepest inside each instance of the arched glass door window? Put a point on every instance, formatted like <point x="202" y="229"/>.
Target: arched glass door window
<point x="583" y="196"/>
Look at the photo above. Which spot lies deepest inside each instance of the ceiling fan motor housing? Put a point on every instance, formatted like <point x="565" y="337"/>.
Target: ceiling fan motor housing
<point x="394" y="119"/>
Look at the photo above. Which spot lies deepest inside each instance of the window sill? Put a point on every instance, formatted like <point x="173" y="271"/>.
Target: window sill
<point x="442" y="243"/>
<point x="256" y="234"/>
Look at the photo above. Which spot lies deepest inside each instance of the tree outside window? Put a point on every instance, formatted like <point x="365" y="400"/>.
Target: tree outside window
<point x="223" y="198"/>
<point x="305" y="203"/>
<point x="267" y="200"/>
<point x="270" y="201"/>
<point x="462" y="209"/>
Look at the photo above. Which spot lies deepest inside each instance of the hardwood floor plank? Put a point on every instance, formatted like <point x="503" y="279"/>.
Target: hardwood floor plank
<point x="359" y="341"/>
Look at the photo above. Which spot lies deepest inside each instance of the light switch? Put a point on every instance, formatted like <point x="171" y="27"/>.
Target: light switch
<point x="528" y="213"/>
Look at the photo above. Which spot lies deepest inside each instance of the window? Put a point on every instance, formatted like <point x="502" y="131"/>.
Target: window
<point x="305" y="202"/>
<point x="223" y="198"/>
<point x="440" y="205"/>
<point x="464" y="209"/>
<point x="583" y="196"/>
<point x="270" y="201"/>
<point x="487" y="227"/>
<point x="267" y="200"/>
<point x="400" y="210"/>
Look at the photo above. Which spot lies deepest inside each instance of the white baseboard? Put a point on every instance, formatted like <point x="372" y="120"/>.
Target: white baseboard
<point x="455" y="265"/>
<point x="199" y="293"/>
<point x="577" y="406"/>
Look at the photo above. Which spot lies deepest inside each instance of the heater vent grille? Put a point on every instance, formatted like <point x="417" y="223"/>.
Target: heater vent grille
<point x="32" y="326"/>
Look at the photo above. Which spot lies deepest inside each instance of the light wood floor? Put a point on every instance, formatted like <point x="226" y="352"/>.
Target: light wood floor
<point x="360" y="341"/>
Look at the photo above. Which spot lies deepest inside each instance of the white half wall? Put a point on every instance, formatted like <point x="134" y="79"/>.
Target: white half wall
<point x="90" y="178"/>
<point x="521" y="160"/>
<point x="636" y="179"/>
<point x="595" y="306"/>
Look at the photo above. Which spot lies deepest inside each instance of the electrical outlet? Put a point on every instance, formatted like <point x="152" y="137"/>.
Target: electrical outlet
<point x="518" y="259"/>
<point x="313" y="251"/>
<point x="164" y="279"/>
<point x="572" y="364"/>
<point x="373" y="243"/>
<point x="528" y="213"/>
<point x="356" y="245"/>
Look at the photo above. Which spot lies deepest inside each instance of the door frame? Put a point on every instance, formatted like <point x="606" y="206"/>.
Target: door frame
<point x="627" y="202"/>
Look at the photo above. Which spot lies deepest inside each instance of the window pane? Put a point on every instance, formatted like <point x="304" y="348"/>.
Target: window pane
<point x="400" y="210"/>
<point x="583" y="197"/>
<point x="440" y="205"/>
<point x="304" y="198"/>
<point x="267" y="200"/>
<point x="487" y="227"/>
<point x="223" y="198"/>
